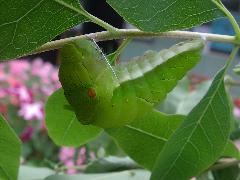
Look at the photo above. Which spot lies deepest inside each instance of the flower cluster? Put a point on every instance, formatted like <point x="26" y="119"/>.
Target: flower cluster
<point x="25" y="87"/>
<point x="236" y="109"/>
<point x="67" y="156"/>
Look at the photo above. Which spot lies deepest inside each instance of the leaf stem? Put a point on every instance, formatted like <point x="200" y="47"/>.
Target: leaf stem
<point x="120" y="49"/>
<point x="230" y="17"/>
<point x="94" y="19"/>
<point x="135" y="33"/>
<point x="231" y="57"/>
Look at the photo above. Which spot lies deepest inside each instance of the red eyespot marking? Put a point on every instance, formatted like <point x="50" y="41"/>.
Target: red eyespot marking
<point x="91" y="93"/>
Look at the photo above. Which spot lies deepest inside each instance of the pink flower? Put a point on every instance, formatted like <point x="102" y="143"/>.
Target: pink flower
<point x="70" y="165"/>
<point x="24" y="94"/>
<point x="19" y="67"/>
<point x="27" y="134"/>
<point x="54" y="76"/>
<point x="236" y="112"/>
<point x="13" y="81"/>
<point x="2" y="75"/>
<point x="81" y="156"/>
<point x="42" y="70"/>
<point x="66" y="153"/>
<point x="30" y="111"/>
<point x="48" y="90"/>
<point x="3" y="109"/>
<point x="92" y="155"/>
<point x="43" y="126"/>
<point x="3" y="93"/>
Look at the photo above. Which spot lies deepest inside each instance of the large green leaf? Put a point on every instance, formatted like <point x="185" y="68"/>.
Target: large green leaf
<point x="200" y="139"/>
<point x="10" y="150"/>
<point x="166" y="15"/>
<point x="128" y="175"/>
<point x="62" y="124"/>
<point x="27" y="24"/>
<point x="144" y="138"/>
<point x="150" y="134"/>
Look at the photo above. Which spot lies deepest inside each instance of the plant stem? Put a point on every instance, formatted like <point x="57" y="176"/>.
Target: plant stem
<point x="232" y="56"/>
<point x="134" y="33"/>
<point x="94" y="19"/>
<point x="229" y="16"/>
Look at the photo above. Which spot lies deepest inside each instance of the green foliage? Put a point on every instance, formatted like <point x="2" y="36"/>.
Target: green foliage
<point x="231" y="151"/>
<point x="10" y="150"/>
<point x="146" y="134"/>
<point x="62" y="124"/>
<point x="229" y="173"/>
<point x="207" y="125"/>
<point x="161" y="16"/>
<point x="27" y="24"/>
<point x="122" y="99"/>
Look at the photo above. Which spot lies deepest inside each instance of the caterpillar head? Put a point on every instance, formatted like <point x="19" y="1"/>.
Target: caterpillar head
<point x="82" y="73"/>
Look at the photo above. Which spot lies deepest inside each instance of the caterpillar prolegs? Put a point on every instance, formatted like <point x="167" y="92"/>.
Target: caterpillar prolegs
<point x="114" y="96"/>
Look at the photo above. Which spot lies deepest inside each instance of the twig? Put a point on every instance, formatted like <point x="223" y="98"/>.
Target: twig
<point x="134" y="33"/>
<point x="230" y="17"/>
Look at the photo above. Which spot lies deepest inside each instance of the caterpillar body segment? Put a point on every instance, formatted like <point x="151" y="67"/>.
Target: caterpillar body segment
<point x="114" y="96"/>
<point x="157" y="73"/>
<point x="87" y="81"/>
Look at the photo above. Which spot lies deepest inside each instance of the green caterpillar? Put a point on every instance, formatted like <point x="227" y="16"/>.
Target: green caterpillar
<point x="114" y="96"/>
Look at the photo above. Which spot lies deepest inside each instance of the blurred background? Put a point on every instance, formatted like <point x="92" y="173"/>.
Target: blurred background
<point x="26" y="85"/>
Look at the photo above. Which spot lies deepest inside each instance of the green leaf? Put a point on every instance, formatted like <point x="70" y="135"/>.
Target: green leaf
<point x="62" y="124"/>
<point x="26" y="25"/>
<point x="147" y="134"/>
<point x="231" y="151"/>
<point x="228" y="173"/>
<point x="10" y="151"/>
<point x="129" y="175"/>
<point x="162" y="15"/>
<point x="36" y="173"/>
<point x="200" y="139"/>
<point x="110" y="164"/>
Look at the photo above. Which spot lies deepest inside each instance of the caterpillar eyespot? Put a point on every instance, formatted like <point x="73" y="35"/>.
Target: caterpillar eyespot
<point x="91" y="93"/>
<point x="112" y="96"/>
